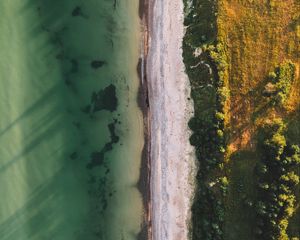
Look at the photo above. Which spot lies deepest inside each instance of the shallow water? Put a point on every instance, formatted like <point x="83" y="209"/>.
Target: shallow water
<point x="71" y="133"/>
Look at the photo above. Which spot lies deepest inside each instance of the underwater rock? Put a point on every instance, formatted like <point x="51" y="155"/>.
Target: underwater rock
<point x="104" y="100"/>
<point x="114" y="138"/>
<point x="77" y="11"/>
<point x="97" y="157"/>
<point x="97" y="64"/>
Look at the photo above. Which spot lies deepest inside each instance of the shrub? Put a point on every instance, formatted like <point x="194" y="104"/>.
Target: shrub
<point x="283" y="78"/>
<point x="291" y="179"/>
<point x="275" y="181"/>
<point x="209" y="93"/>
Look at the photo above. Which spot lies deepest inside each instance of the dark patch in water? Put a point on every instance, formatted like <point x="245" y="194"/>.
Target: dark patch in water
<point x="97" y="158"/>
<point x="105" y="99"/>
<point x="77" y="125"/>
<point x="97" y="64"/>
<point x="60" y="56"/>
<point x="86" y="109"/>
<point x="68" y="82"/>
<point x="77" y="11"/>
<point x="113" y="136"/>
<point x="104" y="204"/>
<point x="74" y="155"/>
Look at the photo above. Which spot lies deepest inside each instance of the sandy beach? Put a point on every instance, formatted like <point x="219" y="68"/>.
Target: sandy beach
<point x="172" y="157"/>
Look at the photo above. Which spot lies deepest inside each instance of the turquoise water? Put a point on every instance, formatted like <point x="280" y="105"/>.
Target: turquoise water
<point x="71" y="133"/>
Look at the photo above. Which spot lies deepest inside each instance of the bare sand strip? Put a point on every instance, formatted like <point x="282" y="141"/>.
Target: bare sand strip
<point x="172" y="157"/>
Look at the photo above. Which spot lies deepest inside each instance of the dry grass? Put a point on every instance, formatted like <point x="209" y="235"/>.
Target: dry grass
<point x="258" y="35"/>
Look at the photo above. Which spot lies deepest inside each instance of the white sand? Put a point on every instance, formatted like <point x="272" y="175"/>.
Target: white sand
<point x="172" y="157"/>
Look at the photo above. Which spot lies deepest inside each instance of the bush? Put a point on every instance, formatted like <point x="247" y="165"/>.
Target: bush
<point x="209" y="95"/>
<point x="283" y="78"/>
<point x="291" y="179"/>
<point x="275" y="181"/>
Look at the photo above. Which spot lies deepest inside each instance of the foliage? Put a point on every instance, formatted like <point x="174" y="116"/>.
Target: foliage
<point x="209" y="94"/>
<point x="276" y="181"/>
<point x="228" y="49"/>
<point x="283" y="77"/>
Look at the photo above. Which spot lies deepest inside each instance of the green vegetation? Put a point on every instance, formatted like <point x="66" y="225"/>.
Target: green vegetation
<point x="241" y="197"/>
<point x="282" y="80"/>
<point x="276" y="181"/>
<point x="229" y="48"/>
<point x="209" y="93"/>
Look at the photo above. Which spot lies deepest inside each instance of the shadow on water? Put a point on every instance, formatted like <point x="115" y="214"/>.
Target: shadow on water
<point x="45" y="129"/>
<point x="39" y="103"/>
<point x="39" y="200"/>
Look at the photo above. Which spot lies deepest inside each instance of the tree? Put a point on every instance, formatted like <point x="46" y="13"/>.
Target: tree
<point x="291" y="179"/>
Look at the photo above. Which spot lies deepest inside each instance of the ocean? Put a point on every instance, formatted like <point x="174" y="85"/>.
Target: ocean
<point x="71" y="131"/>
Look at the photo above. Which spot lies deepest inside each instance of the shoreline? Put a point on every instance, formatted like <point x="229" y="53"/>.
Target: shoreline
<point x="143" y="103"/>
<point x="170" y="108"/>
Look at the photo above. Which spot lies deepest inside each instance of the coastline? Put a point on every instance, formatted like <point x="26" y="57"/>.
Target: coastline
<point x="170" y="109"/>
<point x="143" y="103"/>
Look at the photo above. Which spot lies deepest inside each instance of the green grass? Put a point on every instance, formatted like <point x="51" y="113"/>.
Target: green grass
<point x="240" y="217"/>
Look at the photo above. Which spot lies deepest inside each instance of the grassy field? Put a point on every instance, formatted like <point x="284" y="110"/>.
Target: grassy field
<point x="239" y="217"/>
<point x="258" y="36"/>
<point x="243" y="42"/>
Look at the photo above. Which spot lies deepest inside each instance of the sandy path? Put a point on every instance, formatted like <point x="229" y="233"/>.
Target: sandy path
<point x="171" y="155"/>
